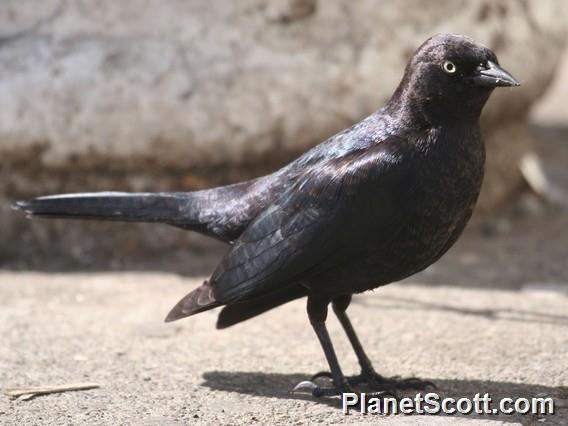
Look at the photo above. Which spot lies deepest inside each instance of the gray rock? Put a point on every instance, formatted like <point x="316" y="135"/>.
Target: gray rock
<point x="144" y="95"/>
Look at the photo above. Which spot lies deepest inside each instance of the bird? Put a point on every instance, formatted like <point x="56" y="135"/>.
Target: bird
<point x="371" y="205"/>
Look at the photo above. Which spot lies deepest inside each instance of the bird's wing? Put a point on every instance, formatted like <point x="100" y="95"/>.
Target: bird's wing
<point x="324" y="218"/>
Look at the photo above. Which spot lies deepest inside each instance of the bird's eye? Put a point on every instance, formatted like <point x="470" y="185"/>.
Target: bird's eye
<point x="449" y="67"/>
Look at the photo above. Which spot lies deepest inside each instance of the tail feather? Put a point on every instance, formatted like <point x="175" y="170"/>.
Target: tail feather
<point x="222" y="213"/>
<point x="199" y="300"/>
<point x="120" y="206"/>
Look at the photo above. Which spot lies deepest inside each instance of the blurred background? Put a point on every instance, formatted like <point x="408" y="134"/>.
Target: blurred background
<point x="139" y="95"/>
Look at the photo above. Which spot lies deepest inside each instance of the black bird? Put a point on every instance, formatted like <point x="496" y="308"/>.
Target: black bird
<point x="372" y="204"/>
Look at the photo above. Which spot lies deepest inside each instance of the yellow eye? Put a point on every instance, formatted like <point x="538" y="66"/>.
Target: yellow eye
<point x="449" y="67"/>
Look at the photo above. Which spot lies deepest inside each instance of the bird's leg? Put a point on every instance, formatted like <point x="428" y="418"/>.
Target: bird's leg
<point x="340" y="305"/>
<point x="368" y="374"/>
<point x="317" y="312"/>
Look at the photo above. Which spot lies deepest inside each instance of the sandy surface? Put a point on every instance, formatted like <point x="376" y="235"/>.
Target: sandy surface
<point x="107" y="328"/>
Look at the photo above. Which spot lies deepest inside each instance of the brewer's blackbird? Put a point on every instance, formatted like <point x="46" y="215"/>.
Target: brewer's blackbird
<point x="371" y="205"/>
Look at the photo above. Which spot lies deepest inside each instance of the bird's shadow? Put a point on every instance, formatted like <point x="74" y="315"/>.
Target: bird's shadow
<point x="495" y="314"/>
<point x="276" y="385"/>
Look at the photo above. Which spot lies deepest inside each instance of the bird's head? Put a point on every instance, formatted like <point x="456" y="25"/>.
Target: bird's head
<point x="451" y="75"/>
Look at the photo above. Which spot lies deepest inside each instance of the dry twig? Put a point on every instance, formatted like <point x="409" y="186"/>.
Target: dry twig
<point x="31" y="392"/>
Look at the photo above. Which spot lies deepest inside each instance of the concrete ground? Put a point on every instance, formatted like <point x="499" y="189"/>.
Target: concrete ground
<point x="108" y="329"/>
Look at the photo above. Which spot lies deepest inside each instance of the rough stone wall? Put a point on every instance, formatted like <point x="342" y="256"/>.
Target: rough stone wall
<point x="146" y="95"/>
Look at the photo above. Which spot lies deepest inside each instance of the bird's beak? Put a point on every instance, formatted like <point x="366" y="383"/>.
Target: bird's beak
<point x="492" y="75"/>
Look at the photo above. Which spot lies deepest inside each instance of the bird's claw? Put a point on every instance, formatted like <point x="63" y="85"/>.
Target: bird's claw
<point x="305" y="385"/>
<point x="318" y="391"/>
<point x="414" y="383"/>
<point x="379" y="383"/>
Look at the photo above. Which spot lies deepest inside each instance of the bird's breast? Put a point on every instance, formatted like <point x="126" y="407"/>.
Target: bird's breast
<point x="435" y="198"/>
<point x="442" y="192"/>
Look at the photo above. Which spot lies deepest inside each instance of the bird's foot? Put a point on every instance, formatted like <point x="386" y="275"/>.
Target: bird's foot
<point x="309" y="386"/>
<point x="377" y="382"/>
<point x="318" y="391"/>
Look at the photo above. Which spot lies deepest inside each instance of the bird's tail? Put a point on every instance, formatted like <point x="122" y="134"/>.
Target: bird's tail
<point x="199" y="300"/>
<point x="165" y="207"/>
